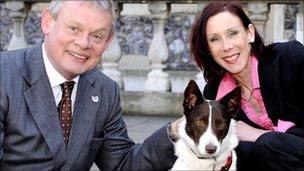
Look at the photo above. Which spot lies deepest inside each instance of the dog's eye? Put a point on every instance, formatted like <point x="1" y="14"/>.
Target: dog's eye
<point x="221" y="125"/>
<point x="199" y="123"/>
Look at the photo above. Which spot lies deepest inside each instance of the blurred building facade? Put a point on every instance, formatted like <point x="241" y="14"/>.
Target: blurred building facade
<point x="149" y="56"/>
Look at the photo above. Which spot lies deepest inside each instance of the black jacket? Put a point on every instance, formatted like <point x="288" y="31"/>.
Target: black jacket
<point x="281" y="76"/>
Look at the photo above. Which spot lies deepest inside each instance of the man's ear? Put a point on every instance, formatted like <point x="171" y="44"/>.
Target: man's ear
<point x="231" y="101"/>
<point x="46" y="21"/>
<point x="192" y="96"/>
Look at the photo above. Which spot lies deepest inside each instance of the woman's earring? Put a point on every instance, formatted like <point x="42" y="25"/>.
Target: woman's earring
<point x="251" y="41"/>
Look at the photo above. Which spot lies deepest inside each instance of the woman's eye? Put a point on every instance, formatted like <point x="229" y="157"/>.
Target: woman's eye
<point x="213" y="39"/>
<point x="233" y="33"/>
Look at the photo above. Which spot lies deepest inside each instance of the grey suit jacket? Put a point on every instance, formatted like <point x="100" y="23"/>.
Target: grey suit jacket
<point x="30" y="132"/>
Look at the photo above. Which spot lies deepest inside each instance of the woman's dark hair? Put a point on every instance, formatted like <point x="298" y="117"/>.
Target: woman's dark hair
<point x="198" y="39"/>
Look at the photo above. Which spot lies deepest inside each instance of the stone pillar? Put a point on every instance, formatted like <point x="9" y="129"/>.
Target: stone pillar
<point x="18" y="14"/>
<point x="158" y="51"/>
<point x="200" y="80"/>
<point x="111" y="57"/>
<point x="258" y="12"/>
<point x="275" y="25"/>
<point x="300" y="24"/>
<point x="200" y="6"/>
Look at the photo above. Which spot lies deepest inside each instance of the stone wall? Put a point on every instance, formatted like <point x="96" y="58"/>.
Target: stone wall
<point x="135" y="33"/>
<point x="290" y="24"/>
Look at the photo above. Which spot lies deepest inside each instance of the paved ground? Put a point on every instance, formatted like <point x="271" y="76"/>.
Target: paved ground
<point x="140" y="127"/>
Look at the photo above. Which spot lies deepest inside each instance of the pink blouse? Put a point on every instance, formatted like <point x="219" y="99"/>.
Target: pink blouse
<point x="228" y="83"/>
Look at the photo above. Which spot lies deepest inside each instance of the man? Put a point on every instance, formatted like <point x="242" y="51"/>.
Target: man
<point x="87" y="125"/>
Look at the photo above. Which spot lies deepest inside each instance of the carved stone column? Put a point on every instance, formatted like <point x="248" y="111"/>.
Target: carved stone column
<point x="200" y="6"/>
<point x="200" y="75"/>
<point x="158" y="51"/>
<point x="276" y="30"/>
<point x="111" y="57"/>
<point x="300" y="23"/>
<point x="18" y="14"/>
<point x="258" y="13"/>
<point x="200" y="80"/>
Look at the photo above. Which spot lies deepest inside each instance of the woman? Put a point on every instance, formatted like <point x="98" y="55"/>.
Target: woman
<point x="230" y="51"/>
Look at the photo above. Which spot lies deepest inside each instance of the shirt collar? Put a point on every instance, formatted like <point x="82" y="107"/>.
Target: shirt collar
<point x="255" y="73"/>
<point x="228" y="82"/>
<point x="54" y="76"/>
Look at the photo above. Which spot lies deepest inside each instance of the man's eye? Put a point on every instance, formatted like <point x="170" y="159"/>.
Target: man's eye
<point x="96" y="36"/>
<point x="73" y="28"/>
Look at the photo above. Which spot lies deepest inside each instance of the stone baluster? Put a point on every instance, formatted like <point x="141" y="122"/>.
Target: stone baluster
<point x="275" y="24"/>
<point x="18" y="14"/>
<point x="300" y="23"/>
<point x="200" y="6"/>
<point x="158" y="51"/>
<point x="200" y="80"/>
<point x="258" y="13"/>
<point x="111" y="57"/>
<point x="200" y="75"/>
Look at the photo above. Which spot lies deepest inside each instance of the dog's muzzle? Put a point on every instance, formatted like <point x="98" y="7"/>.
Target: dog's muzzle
<point x="201" y="157"/>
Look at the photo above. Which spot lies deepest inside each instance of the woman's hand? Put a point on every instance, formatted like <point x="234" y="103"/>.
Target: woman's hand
<point x="246" y="132"/>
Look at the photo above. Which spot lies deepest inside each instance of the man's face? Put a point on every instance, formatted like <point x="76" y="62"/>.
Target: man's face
<point x="77" y="37"/>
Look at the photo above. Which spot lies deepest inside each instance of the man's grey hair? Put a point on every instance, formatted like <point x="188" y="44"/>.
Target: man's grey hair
<point x="106" y="5"/>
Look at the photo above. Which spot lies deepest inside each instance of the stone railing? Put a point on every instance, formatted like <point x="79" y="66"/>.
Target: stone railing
<point x="150" y="85"/>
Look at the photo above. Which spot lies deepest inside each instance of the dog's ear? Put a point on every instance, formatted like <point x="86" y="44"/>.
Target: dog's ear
<point x="232" y="101"/>
<point x="192" y="96"/>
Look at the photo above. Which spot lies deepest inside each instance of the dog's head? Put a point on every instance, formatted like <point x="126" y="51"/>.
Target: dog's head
<point x="208" y="122"/>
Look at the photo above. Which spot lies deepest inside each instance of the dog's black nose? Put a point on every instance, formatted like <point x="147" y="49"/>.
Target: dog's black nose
<point x="210" y="149"/>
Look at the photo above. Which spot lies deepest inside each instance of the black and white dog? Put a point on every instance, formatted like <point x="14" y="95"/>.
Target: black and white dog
<point x="207" y="134"/>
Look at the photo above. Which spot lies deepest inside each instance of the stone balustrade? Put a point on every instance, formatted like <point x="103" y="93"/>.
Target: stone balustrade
<point x="150" y="53"/>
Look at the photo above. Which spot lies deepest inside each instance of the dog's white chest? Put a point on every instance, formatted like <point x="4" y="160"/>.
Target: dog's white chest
<point x="207" y="165"/>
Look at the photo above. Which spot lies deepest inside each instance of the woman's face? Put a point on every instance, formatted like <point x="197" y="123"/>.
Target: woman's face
<point x="229" y="41"/>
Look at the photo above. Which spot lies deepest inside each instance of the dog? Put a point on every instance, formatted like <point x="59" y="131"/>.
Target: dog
<point x="207" y="132"/>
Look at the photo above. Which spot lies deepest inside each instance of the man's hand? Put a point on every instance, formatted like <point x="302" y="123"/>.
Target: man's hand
<point x="173" y="130"/>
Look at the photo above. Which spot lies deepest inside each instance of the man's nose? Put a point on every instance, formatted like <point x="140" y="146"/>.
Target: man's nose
<point x="83" y="41"/>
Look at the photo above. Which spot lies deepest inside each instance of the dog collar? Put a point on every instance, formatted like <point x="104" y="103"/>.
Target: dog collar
<point x="206" y="158"/>
<point x="228" y="163"/>
<point x="223" y="168"/>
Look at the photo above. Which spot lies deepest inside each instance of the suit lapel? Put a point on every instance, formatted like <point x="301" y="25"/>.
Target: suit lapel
<point x="268" y="71"/>
<point x="86" y="106"/>
<point x="41" y="103"/>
